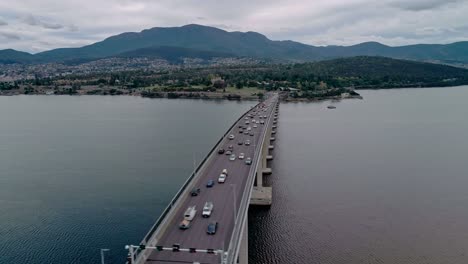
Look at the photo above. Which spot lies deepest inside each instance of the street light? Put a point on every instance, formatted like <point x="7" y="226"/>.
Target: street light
<point x="102" y="254"/>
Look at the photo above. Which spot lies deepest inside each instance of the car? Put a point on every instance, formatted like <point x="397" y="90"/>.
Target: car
<point x="262" y="122"/>
<point x="265" y="116"/>
<point x="221" y="178"/>
<point x="246" y="132"/>
<point x="241" y="156"/>
<point x="195" y="191"/>
<point x="210" y="184"/>
<point x="230" y="147"/>
<point x="248" y="161"/>
<point x="190" y="213"/>
<point x="228" y="152"/>
<point x="247" y="122"/>
<point x="258" y="122"/>
<point x="231" y="137"/>
<point x="255" y="126"/>
<point x="247" y="142"/>
<point x="220" y="151"/>
<point x="232" y="157"/>
<point x="185" y="224"/>
<point x="246" y="118"/>
<point x="224" y="172"/>
<point x="251" y="133"/>
<point x="211" y="230"/>
<point x="240" y="143"/>
<point x="207" y="209"/>
<point x="240" y="131"/>
<point x="241" y="126"/>
<point x="253" y="120"/>
<point x="249" y="128"/>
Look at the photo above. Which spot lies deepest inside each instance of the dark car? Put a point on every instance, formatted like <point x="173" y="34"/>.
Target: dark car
<point x="221" y="151"/>
<point x="251" y="133"/>
<point x="240" y="143"/>
<point x="210" y="183"/>
<point x="212" y="228"/>
<point x="195" y="191"/>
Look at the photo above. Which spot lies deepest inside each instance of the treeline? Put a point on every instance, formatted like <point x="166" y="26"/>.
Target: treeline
<point x="356" y="72"/>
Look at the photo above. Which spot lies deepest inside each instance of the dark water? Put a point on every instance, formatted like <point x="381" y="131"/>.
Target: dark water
<point x="82" y="173"/>
<point x="379" y="180"/>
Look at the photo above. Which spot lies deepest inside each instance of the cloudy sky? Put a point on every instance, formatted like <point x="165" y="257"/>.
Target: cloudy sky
<point x="37" y="25"/>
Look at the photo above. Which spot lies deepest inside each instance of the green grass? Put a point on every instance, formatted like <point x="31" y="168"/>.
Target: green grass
<point x="246" y="91"/>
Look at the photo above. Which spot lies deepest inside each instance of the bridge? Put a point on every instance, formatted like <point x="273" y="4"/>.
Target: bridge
<point x="167" y="243"/>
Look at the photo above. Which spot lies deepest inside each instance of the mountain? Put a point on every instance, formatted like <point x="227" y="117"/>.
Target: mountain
<point x="173" y="54"/>
<point x="9" y="56"/>
<point x="201" y="39"/>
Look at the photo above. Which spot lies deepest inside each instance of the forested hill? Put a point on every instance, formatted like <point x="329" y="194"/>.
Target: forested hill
<point x="358" y="72"/>
<point x="201" y="39"/>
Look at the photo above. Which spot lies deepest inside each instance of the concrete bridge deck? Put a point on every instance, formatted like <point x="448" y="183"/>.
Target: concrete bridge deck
<point x="226" y="197"/>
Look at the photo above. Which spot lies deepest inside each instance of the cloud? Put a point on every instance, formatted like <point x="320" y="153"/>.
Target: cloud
<point x="420" y="5"/>
<point x="34" y="21"/>
<point x="9" y="36"/>
<point x="3" y="23"/>
<point x="48" y="24"/>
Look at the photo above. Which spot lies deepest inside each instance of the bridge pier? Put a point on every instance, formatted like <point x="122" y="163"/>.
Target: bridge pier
<point x="262" y="195"/>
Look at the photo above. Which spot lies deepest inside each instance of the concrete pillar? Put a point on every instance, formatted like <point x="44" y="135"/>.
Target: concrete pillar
<point x="244" y="247"/>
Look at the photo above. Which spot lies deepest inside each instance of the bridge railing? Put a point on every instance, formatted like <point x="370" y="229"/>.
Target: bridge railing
<point x="241" y="218"/>
<point x="152" y="232"/>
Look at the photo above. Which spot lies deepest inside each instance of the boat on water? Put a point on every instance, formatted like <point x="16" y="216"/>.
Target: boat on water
<point x="331" y="107"/>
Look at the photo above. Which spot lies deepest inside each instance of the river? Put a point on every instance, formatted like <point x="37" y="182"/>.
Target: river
<point x="379" y="180"/>
<point x="81" y="173"/>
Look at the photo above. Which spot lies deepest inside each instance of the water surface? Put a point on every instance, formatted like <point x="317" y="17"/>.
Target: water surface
<point x="379" y="180"/>
<point x="87" y="172"/>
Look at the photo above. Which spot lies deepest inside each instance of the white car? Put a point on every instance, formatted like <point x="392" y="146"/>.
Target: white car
<point x="257" y="122"/>
<point x="190" y="213"/>
<point x="262" y="122"/>
<point x="224" y="172"/>
<point x="255" y="126"/>
<point x="247" y="142"/>
<point x="231" y="137"/>
<point x="222" y="178"/>
<point x="249" y="128"/>
<point x="232" y="157"/>
<point x="207" y="209"/>
<point x="247" y="122"/>
<point x="241" y="156"/>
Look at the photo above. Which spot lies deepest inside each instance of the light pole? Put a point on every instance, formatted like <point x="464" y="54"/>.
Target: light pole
<point x="235" y="207"/>
<point x="102" y="254"/>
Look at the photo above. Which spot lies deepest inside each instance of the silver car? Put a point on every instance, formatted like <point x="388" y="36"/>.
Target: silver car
<point x="232" y="157"/>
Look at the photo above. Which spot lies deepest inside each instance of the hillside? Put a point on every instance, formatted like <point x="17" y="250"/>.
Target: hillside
<point x="173" y="54"/>
<point x="9" y="56"/>
<point x="359" y="72"/>
<point x="247" y="44"/>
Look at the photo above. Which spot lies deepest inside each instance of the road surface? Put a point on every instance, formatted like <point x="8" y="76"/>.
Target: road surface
<point x="226" y="198"/>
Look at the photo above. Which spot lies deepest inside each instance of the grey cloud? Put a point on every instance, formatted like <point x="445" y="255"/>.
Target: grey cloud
<point x="73" y="28"/>
<point x="421" y="5"/>
<point x="10" y="36"/>
<point x="3" y="23"/>
<point x="34" y="21"/>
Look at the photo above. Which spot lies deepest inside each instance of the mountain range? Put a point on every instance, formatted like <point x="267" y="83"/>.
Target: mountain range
<point x="197" y="41"/>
